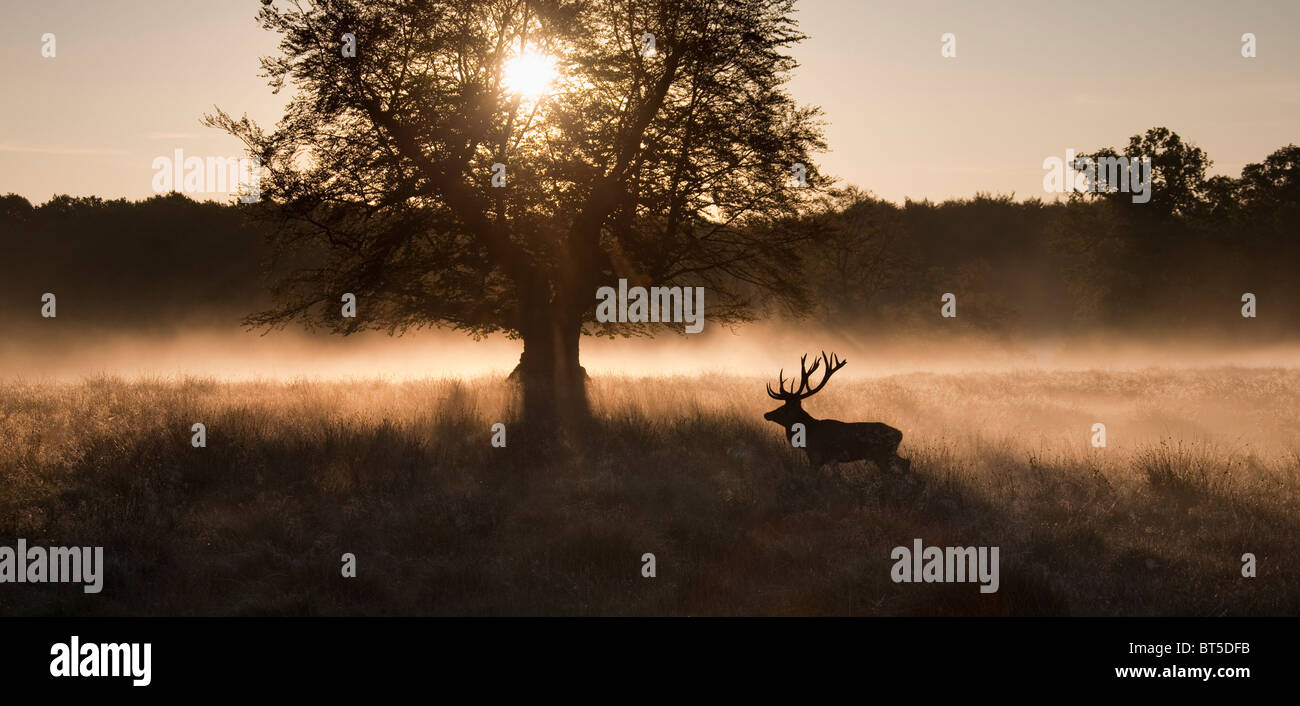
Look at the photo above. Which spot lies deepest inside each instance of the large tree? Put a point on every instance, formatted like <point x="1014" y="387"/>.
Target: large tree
<point x="671" y="166"/>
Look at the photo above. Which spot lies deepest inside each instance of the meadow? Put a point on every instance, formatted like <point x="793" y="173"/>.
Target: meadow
<point x="1200" y="467"/>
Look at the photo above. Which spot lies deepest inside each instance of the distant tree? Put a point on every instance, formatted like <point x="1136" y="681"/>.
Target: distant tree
<point x="671" y="167"/>
<point x="864" y="255"/>
<point x="1221" y="204"/>
<point x="1267" y="210"/>
<point x="1269" y="192"/>
<point x="1178" y="172"/>
<point x="1155" y="237"/>
<point x="1096" y="251"/>
<point x="14" y="208"/>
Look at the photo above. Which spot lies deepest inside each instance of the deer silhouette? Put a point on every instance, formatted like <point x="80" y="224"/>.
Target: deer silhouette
<point x="830" y="440"/>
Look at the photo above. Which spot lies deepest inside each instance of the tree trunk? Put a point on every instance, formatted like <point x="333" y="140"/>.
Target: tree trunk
<point x="553" y="383"/>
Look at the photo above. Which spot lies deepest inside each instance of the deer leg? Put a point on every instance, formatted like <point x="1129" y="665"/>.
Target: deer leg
<point x="904" y="464"/>
<point x="816" y="460"/>
<point x="828" y="480"/>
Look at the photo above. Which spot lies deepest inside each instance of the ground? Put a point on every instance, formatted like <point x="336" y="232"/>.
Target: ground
<point x="1200" y="467"/>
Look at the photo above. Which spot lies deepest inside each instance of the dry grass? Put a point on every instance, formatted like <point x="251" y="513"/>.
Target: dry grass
<point x="1201" y="467"/>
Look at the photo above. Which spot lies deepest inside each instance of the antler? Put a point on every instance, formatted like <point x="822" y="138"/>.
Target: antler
<point x="784" y="395"/>
<point x="833" y="363"/>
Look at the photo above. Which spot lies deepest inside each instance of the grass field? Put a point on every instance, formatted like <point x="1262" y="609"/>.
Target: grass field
<point x="1200" y="467"/>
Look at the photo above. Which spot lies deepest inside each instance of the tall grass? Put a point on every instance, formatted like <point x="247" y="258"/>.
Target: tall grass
<point x="1200" y="468"/>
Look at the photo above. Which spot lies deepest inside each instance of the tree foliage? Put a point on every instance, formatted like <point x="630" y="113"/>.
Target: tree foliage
<point x="670" y="169"/>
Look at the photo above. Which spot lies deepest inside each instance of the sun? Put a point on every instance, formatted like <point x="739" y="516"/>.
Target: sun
<point x="529" y="75"/>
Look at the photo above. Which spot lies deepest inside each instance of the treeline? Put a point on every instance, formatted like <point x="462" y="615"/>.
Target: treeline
<point x="1095" y="262"/>
<point x="166" y="262"/>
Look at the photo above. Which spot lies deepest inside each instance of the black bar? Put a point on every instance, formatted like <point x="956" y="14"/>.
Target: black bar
<point x="232" y="655"/>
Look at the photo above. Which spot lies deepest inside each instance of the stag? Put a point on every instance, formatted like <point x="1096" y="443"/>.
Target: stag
<point x="830" y="440"/>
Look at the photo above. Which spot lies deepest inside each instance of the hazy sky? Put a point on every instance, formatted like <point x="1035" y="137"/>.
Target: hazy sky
<point x="132" y="77"/>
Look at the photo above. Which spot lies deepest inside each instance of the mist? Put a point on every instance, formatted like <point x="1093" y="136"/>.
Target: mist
<point x="754" y="350"/>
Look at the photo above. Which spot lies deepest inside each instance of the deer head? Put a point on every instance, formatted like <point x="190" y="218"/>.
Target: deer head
<point x="792" y="411"/>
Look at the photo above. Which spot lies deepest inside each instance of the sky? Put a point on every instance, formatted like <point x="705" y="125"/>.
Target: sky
<point x="131" y="79"/>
